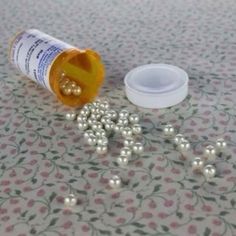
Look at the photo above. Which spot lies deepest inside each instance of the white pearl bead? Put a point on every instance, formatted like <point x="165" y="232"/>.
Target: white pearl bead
<point x="126" y="151"/>
<point x="115" y="182"/>
<point x="178" y="138"/>
<point x="118" y="128"/>
<point x="124" y="114"/>
<point x="105" y="105"/>
<point x="82" y="125"/>
<point x="100" y="111"/>
<point x="209" y="171"/>
<point x="81" y="118"/>
<point x="169" y="130"/>
<point x="88" y="106"/>
<point x="84" y="112"/>
<point x="92" y="140"/>
<point x="91" y="121"/>
<point x="136" y="129"/>
<point x="96" y="104"/>
<point x="197" y="164"/>
<point x="126" y="132"/>
<point x="88" y="133"/>
<point x="70" y="201"/>
<point x="97" y="126"/>
<point x="210" y="153"/>
<point x="221" y="144"/>
<point x="105" y="119"/>
<point x="129" y="142"/>
<point x="102" y="141"/>
<point x="184" y="146"/>
<point x="95" y="116"/>
<point x="133" y="118"/>
<point x="101" y="149"/>
<point x="123" y="121"/>
<point x="109" y="126"/>
<point x="112" y="114"/>
<point x="71" y="115"/>
<point x="100" y="133"/>
<point x="122" y="160"/>
<point x="138" y="148"/>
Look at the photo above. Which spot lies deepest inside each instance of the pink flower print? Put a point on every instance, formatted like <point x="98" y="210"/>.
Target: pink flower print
<point x="44" y="174"/>
<point x="129" y="201"/>
<point x="192" y="229"/>
<point x="216" y="222"/>
<point x="174" y="224"/>
<point x="131" y="209"/>
<point x="59" y="175"/>
<point x="147" y="215"/>
<point x="93" y="175"/>
<point x="41" y="193"/>
<point x="5" y="182"/>
<point x="162" y="215"/>
<point x="120" y="220"/>
<point x="189" y="207"/>
<point x="17" y="210"/>
<point x="99" y="201"/>
<point x="3" y="211"/>
<point x="115" y="195"/>
<point x="43" y="209"/>
<point x="85" y="228"/>
<point x="9" y="228"/>
<point x="168" y="203"/>
<point x="5" y="218"/>
<point x="131" y="173"/>
<point x="67" y="224"/>
<point x="30" y="203"/>
<point x="87" y="186"/>
<point x="14" y="201"/>
<point x="206" y="208"/>
<point x="152" y="225"/>
<point x="171" y="191"/>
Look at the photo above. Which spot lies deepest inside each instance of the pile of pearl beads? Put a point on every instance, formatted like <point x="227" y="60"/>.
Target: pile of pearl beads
<point x="98" y="121"/>
<point x="69" y="87"/>
<point x="70" y="200"/>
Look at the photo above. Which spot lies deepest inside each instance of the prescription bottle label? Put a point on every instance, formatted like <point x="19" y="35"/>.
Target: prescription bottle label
<point x="33" y="53"/>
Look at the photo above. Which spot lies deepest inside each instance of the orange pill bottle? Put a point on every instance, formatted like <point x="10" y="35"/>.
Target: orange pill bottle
<point x="52" y="63"/>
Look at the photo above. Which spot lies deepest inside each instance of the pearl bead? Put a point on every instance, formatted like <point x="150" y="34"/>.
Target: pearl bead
<point x="100" y="133"/>
<point x="136" y="129"/>
<point x="67" y="91"/>
<point x="105" y="119"/>
<point x="210" y="153"/>
<point x="138" y="148"/>
<point x="115" y="182"/>
<point x="169" y="130"/>
<point x="124" y="114"/>
<point x="129" y="142"/>
<point x="123" y="121"/>
<point x="126" y="132"/>
<point x="92" y="140"/>
<point x="93" y="109"/>
<point x="96" y="104"/>
<point x="91" y="121"/>
<point x="97" y="125"/>
<point x="197" y="164"/>
<point x="71" y="115"/>
<point x="87" y="106"/>
<point x="118" y="128"/>
<point x="102" y="141"/>
<point x="109" y="126"/>
<point x="122" y="160"/>
<point x="133" y="118"/>
<point x="96" y="116"/>
<point x="221" y="144"/>
<point x="84" y="112"/>
<point x="82" y="126"/>
<point x="178" y="138"/>
<point x="105" y="105"/>
<point x="101" y="149"/>
<point x="81" y="118"/>
<point x="209" y="171"/>
<point x="70" y="201"/>
<point x="126" y="151"/>
<point x="184" y="146"/>
<point x="76" y="91"/>
<point x="99" y="111"/>
<point x="112" y="114"/>
<point x="88" y="133"/>
<point x="72" y="84"/>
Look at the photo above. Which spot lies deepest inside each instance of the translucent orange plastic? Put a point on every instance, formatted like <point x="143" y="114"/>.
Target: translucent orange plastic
<point x="82" y="66"/>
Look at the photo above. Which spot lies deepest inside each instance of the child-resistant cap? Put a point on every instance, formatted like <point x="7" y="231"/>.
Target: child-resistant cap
<point x="156" y="85"/>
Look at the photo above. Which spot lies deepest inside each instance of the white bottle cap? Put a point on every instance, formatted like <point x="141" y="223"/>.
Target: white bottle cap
<point x="156" y="85"/>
